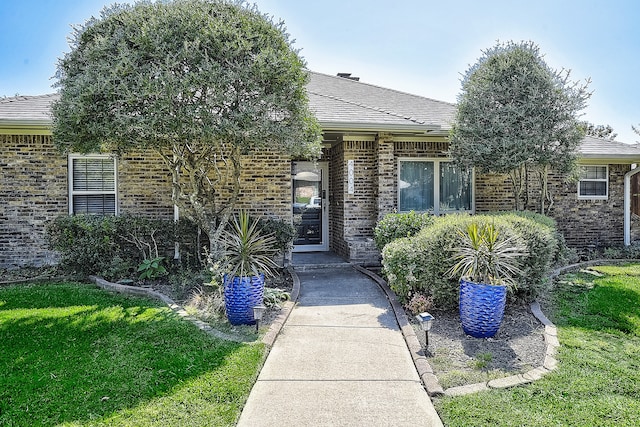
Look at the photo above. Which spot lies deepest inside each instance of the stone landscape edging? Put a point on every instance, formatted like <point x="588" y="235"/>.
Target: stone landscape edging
<point x="550" y="363"/>
<point x="425" y="371"/>
<point x="278" y="323"/>
<point x="268" y="339"/>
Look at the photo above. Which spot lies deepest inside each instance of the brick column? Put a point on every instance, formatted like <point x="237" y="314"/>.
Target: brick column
<point x="386" y="176"/>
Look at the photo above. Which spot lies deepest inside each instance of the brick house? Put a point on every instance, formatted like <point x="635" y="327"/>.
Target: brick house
<point x="383" y="151"/>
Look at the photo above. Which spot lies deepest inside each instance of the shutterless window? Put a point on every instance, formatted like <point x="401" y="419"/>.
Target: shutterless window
<point x="92" y="185"/>
<point x="436" y="186"/>
<point x="593" y="182"/>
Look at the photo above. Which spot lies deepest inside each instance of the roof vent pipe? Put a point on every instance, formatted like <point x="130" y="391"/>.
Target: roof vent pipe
<point x="348" y="76"/>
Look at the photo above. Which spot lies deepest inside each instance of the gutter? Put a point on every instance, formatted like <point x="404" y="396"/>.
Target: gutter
<point x="378" y="127"/>
<point x="623" y="159"/>
<point x="25" y="127"/>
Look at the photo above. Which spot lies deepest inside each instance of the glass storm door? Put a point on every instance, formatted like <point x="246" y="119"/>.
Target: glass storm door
<point x="310" y="207"/>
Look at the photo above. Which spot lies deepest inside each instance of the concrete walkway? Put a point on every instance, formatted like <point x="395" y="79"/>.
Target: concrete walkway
<point x="340" y="360"/>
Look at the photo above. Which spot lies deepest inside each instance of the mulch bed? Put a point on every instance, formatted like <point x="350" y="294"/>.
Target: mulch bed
<point x="517" y="347"/>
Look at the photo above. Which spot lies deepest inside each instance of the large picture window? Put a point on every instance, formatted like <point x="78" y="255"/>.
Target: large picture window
<point x="594" y="182"/>
<point x="433" y="185"/>
<point x="92" y="185"/>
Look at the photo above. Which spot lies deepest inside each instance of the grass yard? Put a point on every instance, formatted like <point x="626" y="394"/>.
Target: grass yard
<point x="74" y="355"/>
<point x="598" y="380"/>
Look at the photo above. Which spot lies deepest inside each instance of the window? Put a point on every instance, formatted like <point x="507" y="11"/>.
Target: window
<point x="593" y="182"/>
<point x="92" y="185"/>
<point x="423" y="182"/>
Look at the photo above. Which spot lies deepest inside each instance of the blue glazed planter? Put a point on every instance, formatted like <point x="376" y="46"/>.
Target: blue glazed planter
<point x="241" y="294"/>
<point x="481" y="308"/>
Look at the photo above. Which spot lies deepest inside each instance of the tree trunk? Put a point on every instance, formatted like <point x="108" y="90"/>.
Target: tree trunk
<point x="517" y="182"/>
<point x="224" y="214"/>
<point x="196" y="198"/>
<point x="545" y="196"/>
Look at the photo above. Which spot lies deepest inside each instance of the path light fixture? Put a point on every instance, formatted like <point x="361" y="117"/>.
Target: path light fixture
<point x="426" y="321"/>
<point x="258" y="311"/>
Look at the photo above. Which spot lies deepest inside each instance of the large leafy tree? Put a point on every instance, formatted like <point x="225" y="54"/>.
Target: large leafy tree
<point x="200" y="82"/>
<point x="518" y="116"/>
<point x="600" y="131"/>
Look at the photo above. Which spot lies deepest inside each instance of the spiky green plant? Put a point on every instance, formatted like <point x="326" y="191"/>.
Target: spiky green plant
<point x="484" y="255"/>
<point x="248" y="252"/>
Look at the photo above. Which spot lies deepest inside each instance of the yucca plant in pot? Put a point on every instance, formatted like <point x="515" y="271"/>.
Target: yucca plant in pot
<point x="248" y="259"/>
<point x="487" y="264"/>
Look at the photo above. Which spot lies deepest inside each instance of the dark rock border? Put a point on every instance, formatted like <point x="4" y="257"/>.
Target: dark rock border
<point x="425" y="371"/>
<point x="268" y="339"/>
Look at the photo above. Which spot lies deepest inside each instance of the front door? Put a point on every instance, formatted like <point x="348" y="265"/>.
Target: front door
<point x="310" y="207"/>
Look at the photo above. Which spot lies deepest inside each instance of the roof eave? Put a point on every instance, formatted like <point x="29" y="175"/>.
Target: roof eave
<point x="25" y="127"/>
<point x="610" y="158"/>
<point x="378" y="127"/>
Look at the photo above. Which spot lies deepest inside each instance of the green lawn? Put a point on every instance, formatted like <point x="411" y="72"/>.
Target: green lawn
<point x="598" y="380"/>
<point x="74" y="355"/>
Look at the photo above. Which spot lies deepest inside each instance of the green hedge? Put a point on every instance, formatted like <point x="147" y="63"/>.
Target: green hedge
<point x="397" y="225"/>
<point x="86" y="243"/>
<point x="421" y="263"/>
<point x="114" y="246"/>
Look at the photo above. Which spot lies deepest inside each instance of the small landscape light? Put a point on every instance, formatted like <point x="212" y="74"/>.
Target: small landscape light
<point x="426" y="321"/>
<point x="258" y="311"/>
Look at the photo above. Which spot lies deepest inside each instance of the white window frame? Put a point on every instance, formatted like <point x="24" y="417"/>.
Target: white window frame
<point x="605" y="180"/>
<point x="436" y="184"/>
<point x="73" y="193"/>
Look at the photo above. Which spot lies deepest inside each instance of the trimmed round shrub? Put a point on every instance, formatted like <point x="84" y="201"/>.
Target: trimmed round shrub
<point x="397" y="225"/>
<point x="533" y="216"/>
<point x="542" y="246"/>
<point x="421" y="263"/>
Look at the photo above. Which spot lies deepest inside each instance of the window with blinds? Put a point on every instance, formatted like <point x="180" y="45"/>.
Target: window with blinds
<point x="594" y="182"/>
<point x="92" y="186"/>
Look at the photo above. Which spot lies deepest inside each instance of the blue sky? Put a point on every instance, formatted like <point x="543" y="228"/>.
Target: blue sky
<point x="417" y="46"/>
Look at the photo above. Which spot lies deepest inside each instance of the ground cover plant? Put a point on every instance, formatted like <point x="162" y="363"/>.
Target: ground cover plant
<point x="598" y="380"/>
<point x="74" y="355"/>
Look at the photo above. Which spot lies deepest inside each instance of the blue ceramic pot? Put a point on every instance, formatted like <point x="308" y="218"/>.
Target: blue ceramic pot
<point x="481" y="308"/>
<point x="241" y="294"/>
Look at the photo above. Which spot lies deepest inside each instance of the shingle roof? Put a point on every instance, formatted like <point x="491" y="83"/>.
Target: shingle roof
<point x="343" y="104"/>
<point x="600" y="148"/>
<point x="342" y="101"/>
<point x="23" y="109"/>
